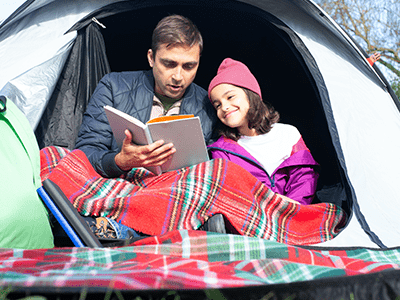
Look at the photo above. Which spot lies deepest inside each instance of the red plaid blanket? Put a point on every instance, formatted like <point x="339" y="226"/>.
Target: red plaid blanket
<point x="185" y="198"/>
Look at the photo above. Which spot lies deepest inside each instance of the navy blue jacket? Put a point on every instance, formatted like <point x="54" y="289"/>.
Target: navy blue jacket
<point x="132" y="93"/>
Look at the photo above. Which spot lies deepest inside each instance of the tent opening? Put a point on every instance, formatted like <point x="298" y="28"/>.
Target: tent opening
<point x="230" y="29"/>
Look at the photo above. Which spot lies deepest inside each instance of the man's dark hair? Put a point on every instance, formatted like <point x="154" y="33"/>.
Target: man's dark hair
<point x="261" y="116"/>
<point x="176" y="30"/>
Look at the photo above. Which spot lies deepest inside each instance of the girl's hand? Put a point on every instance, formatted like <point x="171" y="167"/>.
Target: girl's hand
<point x="288" y="199"/>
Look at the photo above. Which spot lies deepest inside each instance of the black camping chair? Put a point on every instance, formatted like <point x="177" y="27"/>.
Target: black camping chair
<point x="67" y="216"/>
<point x="72" y="222"/>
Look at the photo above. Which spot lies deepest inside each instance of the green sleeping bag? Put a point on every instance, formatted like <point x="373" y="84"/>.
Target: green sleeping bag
<point x="24" y="221"/>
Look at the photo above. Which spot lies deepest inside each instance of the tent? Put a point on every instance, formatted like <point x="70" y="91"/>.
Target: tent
<point x="53" y="53"/>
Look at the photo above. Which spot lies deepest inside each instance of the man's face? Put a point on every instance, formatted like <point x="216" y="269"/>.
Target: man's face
<point x="174" y="68"/>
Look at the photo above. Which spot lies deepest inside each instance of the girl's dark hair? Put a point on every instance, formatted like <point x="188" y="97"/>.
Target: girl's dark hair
<point x="261" y="116"/>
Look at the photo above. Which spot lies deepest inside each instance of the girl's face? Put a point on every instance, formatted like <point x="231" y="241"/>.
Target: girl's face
<point x="232" y="106"/>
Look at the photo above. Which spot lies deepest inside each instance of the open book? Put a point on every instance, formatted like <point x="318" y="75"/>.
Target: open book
<point x="184" y="131"/>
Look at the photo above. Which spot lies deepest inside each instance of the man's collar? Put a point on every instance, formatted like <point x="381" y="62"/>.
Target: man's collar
<point x="165" y="99"/>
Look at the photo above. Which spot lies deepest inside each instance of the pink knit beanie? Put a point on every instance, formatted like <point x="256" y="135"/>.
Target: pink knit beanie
<point x="236" y="73"/>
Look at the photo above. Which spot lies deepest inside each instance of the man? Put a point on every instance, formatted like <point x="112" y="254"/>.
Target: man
<point x="166" y="89"/>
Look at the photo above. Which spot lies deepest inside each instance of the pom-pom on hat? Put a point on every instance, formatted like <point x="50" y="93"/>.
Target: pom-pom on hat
<point x="236" y="73"/>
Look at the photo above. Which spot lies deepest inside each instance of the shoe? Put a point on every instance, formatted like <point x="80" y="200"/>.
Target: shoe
<point x="106" y="228"/>
<point x="214" y="224"/>
<point x="101" y="227"/>
<point x="112" y="234"/>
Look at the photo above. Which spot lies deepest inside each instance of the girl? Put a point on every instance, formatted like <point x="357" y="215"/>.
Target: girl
<point x="251" y="136"/>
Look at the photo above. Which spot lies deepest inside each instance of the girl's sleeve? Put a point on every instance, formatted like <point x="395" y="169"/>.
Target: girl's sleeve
<point x="215" y="153"/>
<point x="302" y="183"/>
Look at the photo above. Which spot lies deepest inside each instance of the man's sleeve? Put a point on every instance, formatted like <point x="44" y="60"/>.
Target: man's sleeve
<point x="95" y="136"/>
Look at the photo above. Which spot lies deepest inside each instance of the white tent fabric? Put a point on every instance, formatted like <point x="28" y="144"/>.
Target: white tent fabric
<point x="366" y="117"/>
<point x="7" y="8"/>
<point x="33" y="49"/>
<point x="369" y="130"/>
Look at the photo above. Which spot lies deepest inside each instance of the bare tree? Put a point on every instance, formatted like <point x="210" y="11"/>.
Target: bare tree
<point x="375" y="25"/>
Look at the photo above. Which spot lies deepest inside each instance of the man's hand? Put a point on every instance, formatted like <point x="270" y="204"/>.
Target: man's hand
<point x="134" y="156"/>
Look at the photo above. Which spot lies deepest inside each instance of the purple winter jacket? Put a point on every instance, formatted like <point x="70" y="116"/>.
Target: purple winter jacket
<point x="296" y="177"/>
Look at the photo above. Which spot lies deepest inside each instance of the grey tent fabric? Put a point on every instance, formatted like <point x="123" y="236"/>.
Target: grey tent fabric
<point x="86" y="65"/>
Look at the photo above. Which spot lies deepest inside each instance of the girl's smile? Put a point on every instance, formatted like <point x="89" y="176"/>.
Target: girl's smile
<point x="229" y="113"/>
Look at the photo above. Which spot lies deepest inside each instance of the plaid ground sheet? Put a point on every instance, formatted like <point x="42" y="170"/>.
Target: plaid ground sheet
<point x="185" y="198"/>
<point x="186" y="259"/>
